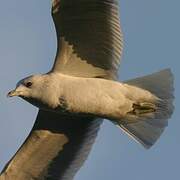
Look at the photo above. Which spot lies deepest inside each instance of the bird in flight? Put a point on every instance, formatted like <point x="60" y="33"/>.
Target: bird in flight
<point x="81" y="89"/>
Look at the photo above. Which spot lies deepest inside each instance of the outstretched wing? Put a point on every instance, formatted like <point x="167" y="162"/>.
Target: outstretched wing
<point x="88" y="36"/>
<point x="55" y="149"/>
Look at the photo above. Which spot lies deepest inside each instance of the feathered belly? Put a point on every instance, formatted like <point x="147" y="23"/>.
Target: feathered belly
<point x="97" y="97"/>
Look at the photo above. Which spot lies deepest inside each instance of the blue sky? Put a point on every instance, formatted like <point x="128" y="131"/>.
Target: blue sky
<point x="151" y="36"/>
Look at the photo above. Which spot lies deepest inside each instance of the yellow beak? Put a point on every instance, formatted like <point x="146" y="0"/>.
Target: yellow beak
<point x="13" y="93"/>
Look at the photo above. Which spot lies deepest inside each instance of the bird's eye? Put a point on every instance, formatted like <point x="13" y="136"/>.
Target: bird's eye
<point x="28" y="84"/>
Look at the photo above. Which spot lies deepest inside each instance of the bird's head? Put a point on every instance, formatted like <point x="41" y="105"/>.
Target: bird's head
<point x="28" y="87"/>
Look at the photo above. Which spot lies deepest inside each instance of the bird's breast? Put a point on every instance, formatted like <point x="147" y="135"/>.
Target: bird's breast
<point x="37" y="103"/>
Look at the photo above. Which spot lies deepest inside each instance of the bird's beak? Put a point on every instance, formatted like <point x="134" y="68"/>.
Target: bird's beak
<point x="13" y="93"/>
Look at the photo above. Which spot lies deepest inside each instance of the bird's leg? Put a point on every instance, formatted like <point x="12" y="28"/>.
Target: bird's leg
<point x="142" y="108"/>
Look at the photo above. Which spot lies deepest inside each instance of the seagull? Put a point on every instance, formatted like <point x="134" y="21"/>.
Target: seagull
<point x="81" y="90"/>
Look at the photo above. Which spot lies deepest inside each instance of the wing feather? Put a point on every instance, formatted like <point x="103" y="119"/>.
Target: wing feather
<point x="55" y="149"/>
<point x="89" y="37"/>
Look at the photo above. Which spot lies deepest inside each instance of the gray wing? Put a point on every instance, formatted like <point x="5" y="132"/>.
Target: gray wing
<point x="55" y="149"/>
<point x="88" y="36"/>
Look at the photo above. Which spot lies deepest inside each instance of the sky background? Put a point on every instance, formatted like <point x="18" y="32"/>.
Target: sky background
<point x="151" y="36"/>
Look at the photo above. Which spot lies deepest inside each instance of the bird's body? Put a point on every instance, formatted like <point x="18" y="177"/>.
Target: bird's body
<point x="146" y="100"/>
<point x="79" y="96"/>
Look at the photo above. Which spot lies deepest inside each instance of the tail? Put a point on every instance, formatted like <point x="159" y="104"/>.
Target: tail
<point x="149" y="126"/>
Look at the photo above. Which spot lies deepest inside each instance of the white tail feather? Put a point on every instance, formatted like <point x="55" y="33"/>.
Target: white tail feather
<point x="148" y="129"/>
